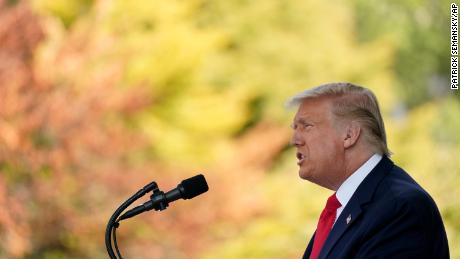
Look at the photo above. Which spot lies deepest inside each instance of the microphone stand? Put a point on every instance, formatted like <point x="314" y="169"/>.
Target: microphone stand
<point x="113" y="222"/>
<point x="159" y="200"/>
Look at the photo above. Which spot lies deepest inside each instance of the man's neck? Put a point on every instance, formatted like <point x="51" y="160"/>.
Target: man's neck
<point x="352" y="163"/>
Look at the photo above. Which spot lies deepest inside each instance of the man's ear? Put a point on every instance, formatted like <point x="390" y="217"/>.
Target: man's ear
<point x="352" y="133"/>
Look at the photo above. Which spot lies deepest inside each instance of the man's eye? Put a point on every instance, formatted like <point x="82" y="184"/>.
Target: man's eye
<point x="301" y="126"/>
<point x="306" y="126"/>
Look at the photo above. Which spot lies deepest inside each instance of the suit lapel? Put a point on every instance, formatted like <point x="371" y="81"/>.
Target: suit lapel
<point x="307" y="252"/>
<point x="353" y="210"/>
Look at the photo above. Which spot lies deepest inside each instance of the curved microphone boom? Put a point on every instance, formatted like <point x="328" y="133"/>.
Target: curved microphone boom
<point x="159" y="200"/>
<point x="187" y="189"/>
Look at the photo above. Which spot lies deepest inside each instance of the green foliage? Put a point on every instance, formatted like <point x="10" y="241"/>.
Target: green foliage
<point x="204" y="89"/>
<point x="420" y="31"/>
<point x="67" y="11"/>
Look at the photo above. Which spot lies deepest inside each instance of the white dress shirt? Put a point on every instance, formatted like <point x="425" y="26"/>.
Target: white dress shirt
<point x="348" y="188"/>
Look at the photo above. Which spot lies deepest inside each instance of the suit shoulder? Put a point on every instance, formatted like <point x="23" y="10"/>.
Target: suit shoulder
<point x="399" y="187"/>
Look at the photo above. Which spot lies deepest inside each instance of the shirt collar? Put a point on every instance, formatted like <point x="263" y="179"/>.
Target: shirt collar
<point x="348" y="188"/>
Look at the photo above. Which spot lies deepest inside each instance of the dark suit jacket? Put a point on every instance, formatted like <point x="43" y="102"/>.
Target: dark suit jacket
<point x="389" y="216"/>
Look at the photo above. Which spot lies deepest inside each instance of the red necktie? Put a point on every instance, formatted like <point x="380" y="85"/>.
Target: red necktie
<point x="326" y="220"/>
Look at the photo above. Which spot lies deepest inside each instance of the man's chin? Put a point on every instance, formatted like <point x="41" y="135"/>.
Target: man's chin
<point x="304" y="175"/>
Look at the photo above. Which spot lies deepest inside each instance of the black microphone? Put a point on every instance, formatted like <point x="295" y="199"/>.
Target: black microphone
<point x="187" y="189"/>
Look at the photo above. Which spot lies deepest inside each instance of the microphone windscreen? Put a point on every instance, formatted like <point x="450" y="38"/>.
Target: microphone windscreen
<point x="194" y="186"/>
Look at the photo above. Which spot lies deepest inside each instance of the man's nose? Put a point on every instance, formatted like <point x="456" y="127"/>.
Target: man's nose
<point x="296" y="140"/>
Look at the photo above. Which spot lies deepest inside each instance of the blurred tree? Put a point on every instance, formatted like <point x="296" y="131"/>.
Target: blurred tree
<point x="67" y="11"/>
<point x="420" y="32"/>
<point x="61" y="145"/>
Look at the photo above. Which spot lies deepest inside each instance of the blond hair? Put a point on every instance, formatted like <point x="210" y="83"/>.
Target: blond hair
<point x="352" y="102"/>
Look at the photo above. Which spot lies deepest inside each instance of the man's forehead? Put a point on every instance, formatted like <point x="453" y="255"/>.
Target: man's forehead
<point x="307" y="117"/>
<point x="313" y="108"/>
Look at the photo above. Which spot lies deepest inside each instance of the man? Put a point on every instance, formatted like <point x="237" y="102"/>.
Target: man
<point x="377" y="210"/>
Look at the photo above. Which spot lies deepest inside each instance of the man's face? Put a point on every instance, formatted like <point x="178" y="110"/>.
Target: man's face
<point x="320" y="149"/>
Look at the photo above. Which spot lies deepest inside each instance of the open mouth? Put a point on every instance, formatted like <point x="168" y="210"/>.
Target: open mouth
<point x="300" y="158"/>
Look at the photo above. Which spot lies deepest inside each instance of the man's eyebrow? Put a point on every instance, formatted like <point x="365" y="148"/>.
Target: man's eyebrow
<point x="301" y="120"/>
